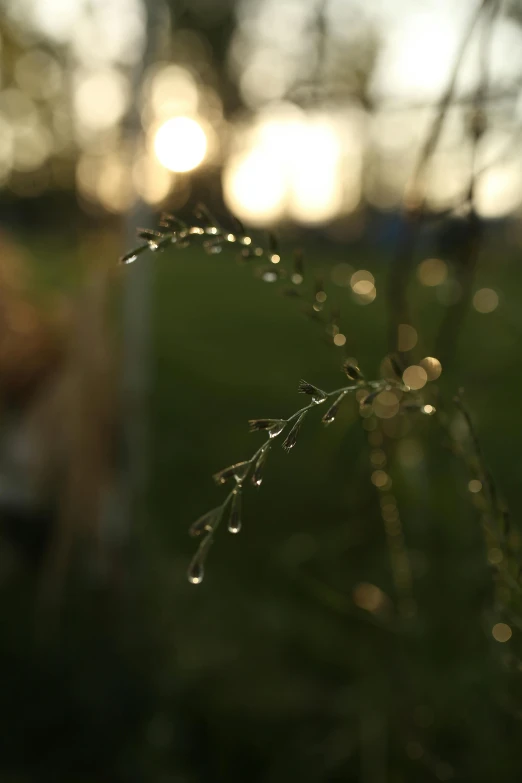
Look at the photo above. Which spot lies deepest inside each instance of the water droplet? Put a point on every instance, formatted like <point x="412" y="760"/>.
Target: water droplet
<point x="238" y="471"/>
<point x="318" y="396"/>
<point x="205" y="523"/>
<point x="333" y="410"/>
<point x="195" y="573"/>
<point x="291" y="438"/>
<point x="234" y="522"/>
<point x="257" y="476"/>
<point x="277" y="429"/>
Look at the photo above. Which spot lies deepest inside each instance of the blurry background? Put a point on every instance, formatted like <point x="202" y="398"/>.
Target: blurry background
<point x="346" y="634"/>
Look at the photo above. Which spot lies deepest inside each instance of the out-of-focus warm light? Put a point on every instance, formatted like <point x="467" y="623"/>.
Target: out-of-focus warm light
<point x="38" y="74"/>
<point x="432" y="366"/>
<point x="173" y="92"/>
<point x="415" y="377"/>
<point x="499" y="191"/>
<point x="255" y="187"/>
<point x="101" y="98"/>
<point x="378" y="458"/>
<point x="32" y="146"/>
<point x="152" y="181"/>
<point x="362" y="283"/>
<point x="501" y="632"/>
<point x="180" y="144"/>
<point x="368" y="296"/>
<point x="406" y="338"/>
<point x="475" y="486"/>
<point x="291" y="163"/>
<point x="114" y="187"/>
<point x="362" y="275"/>
<point x="432" y="271"/>
<point x="418" y="54"/>
<point x="339" y="340"/>
<point x="485" y="300"/>
<point x="316" y="188"/>
<point x="369" y="597"/>
<point x="380" y="479"/>
<point x="386" y="405"/>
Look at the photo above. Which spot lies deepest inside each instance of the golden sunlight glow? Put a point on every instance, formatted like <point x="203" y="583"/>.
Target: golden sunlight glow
<point x="255" y="187"/>
<point x="180" y="144"/>
<point x="101" y="98"/>
<point x="114" y="187"/>
<point x="291" y="164"/>
<point x="173" y="92"/>
<point x="151" y="180"/>
<point x="499" y="190"/>
<point x="315" y="191"/>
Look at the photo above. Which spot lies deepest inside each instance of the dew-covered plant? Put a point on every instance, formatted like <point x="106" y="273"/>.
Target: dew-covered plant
<point x="250" y="471"/>
<point x="214" y="238"/>
<point x="270" y="265"/>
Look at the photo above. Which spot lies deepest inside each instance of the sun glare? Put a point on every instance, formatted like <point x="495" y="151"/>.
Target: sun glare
<point x="293" y="166"/>
<point x="180" y="144"/>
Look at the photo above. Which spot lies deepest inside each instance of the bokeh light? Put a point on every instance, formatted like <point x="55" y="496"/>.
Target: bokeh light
<point x="180" y="144"/>
<point x="501" y="632"/>
<point x="485" y="300"/>
<point x="432" y="271"/>
<point x="432" y="366"/>
<point x="415" y="377"/>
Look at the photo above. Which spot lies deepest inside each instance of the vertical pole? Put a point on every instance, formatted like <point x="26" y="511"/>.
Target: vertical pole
<point x="137" y="301"/>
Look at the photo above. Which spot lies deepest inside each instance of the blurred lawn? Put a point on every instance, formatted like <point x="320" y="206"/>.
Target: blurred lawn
<point x="268" y="670"/>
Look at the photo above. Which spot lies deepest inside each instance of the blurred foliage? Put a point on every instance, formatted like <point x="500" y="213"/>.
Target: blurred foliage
<point x="269" y="670"/>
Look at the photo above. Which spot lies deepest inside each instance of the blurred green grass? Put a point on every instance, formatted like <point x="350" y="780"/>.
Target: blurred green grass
<point x="261" y="673"/>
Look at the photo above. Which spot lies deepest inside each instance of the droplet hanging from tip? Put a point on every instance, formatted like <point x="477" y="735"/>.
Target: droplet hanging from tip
<point x="291" y="438"/>
<point x="234" y="521"/>
<point x="257" y="475"/>
<point x="333" y="410"/>
<point x="196" y="573"/>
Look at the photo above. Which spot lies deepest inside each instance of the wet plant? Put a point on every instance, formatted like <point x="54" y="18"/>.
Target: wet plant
<point x="270" y="263"/>
<point x="251" y="471"/>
